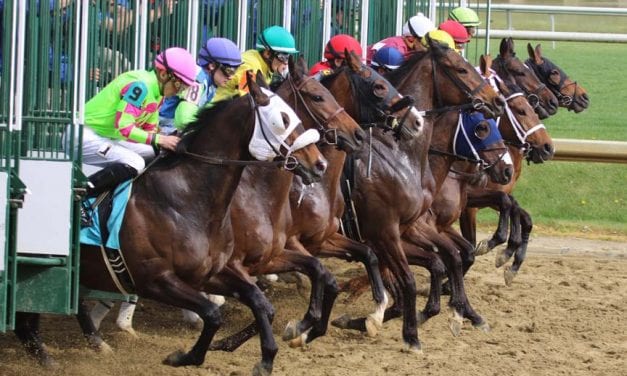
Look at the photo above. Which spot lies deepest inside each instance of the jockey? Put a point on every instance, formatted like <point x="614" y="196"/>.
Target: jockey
<point x="466" y="17"/>
<point x="440" y="36"/>
<point x="120" y="131"/>
<point x="458" y="32"/>
<point x="387" y="59"/>
<point x="217" y="62"/>
<point x="270" y="57"/>
<point x="334" y="54"/>
<point x="413" y="30"/>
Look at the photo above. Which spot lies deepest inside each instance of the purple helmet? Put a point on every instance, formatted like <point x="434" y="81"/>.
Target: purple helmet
<point x="179" y="62"/>
<point x="220" y="50"/>
<point x="388" y="57"/>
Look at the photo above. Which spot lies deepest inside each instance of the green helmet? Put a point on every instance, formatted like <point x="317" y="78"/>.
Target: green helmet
<point x="277" y="39"/>
<point x="464" y="16"/>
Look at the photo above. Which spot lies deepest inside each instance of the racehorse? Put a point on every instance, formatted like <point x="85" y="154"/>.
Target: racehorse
<point x="568" y="92"/>
<point x="177" y="230"/>
<point x="506" y="64"/>
<point x="395" y="186"/>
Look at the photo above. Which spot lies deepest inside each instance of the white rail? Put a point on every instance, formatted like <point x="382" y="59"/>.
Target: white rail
<point x="554" y="9"/>
<point x="556" y="35"/>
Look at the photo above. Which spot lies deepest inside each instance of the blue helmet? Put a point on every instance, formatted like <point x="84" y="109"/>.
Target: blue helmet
<point x="221" y="51"/>
<point x="388" y="57"/>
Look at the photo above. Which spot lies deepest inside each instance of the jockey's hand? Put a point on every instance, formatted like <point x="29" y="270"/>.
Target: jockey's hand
<point x="168" y="142"/>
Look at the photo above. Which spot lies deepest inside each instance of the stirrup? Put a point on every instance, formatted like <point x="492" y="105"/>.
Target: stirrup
<point x="86" y="216"/>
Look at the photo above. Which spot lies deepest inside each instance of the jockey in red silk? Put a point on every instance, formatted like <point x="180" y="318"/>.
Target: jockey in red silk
<point x="334" y="54"/>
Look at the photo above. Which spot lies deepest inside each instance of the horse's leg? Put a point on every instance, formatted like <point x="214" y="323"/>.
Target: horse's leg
<point x="27" y="331"/>
<point x="526" y="225"/>
<point x="503" y="205"/>
<point x="344" y="248"/>
<point x="167" y="288"/>
<point x="394" y="257"/>
<point x="459" y="300"/>
<point x="125" y="317"/>
<point x="234" y="281"/>
<point x="467" y="251"/>
<point x="515" y="239"/>
<point x="90" y="330"/>
<point x="468" y="224"/>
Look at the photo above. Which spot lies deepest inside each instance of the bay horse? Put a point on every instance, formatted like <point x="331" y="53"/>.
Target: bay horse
<point x="506" y="64"/>
<point x="569" y="93"/>
<point x="177" y="230"/>
<point x="395" y="187"/>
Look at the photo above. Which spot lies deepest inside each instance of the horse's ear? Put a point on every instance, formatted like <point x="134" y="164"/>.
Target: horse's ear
<point x="255" y="91"/>
<point x="301" y="66"/>
<point x="261" y="81"/>
<point x="352" y="60"/>
<point x="539" y="54"/>
<point x="485" y="61"/>
<point x="503" y="47"/>
<point x="298" y="68"/>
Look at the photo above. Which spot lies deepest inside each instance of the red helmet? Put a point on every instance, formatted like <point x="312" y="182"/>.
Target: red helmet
<point x="456" y="30"/>
<point x="336" y="45"/>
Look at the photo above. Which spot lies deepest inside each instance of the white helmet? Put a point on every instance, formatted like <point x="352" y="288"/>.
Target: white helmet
<point x="418" y="26"/>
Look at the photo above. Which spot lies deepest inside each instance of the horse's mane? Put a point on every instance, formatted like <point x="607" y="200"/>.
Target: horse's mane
<point x="396" y="75"/>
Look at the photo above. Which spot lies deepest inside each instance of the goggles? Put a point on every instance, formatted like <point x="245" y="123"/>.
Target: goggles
<point x="227" y="70"/>
<point x="282" y="57"/>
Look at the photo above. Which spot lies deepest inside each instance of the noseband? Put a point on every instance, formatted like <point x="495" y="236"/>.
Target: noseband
<point x="327" y="135"/>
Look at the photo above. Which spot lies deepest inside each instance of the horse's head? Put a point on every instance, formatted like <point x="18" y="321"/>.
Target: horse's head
<point x="373" y="100"/>
<point x="508" y="65"/>
<point x="478" y="139"/>
<point x="570" y="94"/>
<point x="521" y="126"/>
<point x="319" y="110"/>
<point x="456" y="82"/>
<point x="279" y="134"/>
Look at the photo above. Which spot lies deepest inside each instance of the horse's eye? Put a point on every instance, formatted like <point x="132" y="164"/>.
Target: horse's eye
<point x="522" y="112"/>
<point x="482" y="130"/>
<point x="317" y="98"/>
<point x="462" y="71"/>
<point x="380" y="90"/>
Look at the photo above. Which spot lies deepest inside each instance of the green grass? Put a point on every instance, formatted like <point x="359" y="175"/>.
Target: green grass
<point x="576" y="196"/>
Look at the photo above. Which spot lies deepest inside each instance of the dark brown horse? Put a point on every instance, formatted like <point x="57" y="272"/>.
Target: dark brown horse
<point x="262" y="216"/>
<point x="395" y="187"/>
<point x="177" y="232"/>
<point x="506" y="64"/>
<point x="569" y="93"/>
<point x="572" y="96"/>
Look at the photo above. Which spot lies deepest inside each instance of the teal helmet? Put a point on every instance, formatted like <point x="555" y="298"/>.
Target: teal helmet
<point x="276" y="39"/>
<point x="465" y="16"/>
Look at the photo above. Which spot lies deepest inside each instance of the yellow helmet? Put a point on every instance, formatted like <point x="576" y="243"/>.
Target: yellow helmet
<point x="439" y="36"/>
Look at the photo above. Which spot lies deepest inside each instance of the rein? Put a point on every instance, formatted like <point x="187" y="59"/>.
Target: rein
<point x="328" y="135"/>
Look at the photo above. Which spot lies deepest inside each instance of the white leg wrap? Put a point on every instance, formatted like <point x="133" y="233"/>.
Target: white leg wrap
<point x="99" y="311"/>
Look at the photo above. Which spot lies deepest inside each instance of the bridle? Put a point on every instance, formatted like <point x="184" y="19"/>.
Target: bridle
<point x="285" y="160"/>
<point x="533" y="96"/>
<point x="328" y="136"/>
<point x="543" y="71"/>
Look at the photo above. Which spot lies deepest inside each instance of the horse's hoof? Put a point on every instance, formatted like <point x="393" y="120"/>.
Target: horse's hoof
<point x="291" y="331"/>
<point x="509" y="275"/>
<point x="104" y="349"/>
<point x="48" y="363"/>
<point x="484" y="327"/>
<point x="260" y="370"/>
<point x="412" y="349"/>
<point x="373" y="325"/>
<point x="300" y="341"/>
<point x="482" y="248"/>
<point x="421" y="318"/>
<point x="130" y="331"/>
<point x="181" y="358"/>
<point x="501" y="258"/>
<point x="342" y="321"/>
<point x="455" y="323"/>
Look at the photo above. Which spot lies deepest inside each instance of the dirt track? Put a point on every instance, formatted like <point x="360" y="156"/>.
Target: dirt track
<point x="563" y="315"/>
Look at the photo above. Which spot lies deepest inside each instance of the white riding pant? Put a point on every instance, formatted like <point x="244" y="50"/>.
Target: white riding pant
<point x="101" y="151"/>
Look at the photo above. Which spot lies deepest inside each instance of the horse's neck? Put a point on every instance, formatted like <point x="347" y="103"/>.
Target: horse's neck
<point x="269" y="187"/>
<point x="331" y="179"/>
<point x="443" y="141"/>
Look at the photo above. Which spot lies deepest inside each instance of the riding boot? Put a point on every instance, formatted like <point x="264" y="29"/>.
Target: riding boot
<point x="102" y="181"/>
<point x="108" y="178"/>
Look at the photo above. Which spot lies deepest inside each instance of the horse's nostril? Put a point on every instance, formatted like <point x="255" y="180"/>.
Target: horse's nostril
<point x="548" y="148"/>
<point x="321" y="166"/>
<point x="360" y="135"/>
<point x="509" y="171"/>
